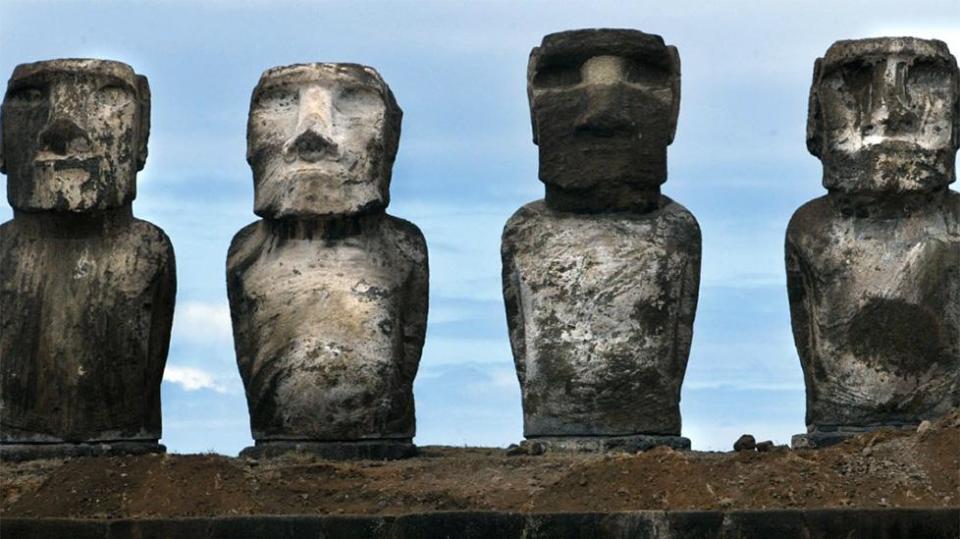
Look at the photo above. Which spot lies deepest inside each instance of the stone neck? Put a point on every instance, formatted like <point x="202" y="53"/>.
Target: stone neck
<point x="324" y="228"/>
<point x="55" y="224"/>
<point x="887" y="205"/>
<point x="626" y="198"/>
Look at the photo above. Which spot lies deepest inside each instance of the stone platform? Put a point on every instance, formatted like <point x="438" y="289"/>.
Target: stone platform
<point x="368" y="449"/>
<point x="607" y="444"/>
<point x="24" y="452"/>
<point x="782" y="524"/>
<point x="821" y="437"/>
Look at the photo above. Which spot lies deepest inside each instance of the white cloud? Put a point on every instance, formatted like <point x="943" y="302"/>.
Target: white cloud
<point x="200" y="322"/>
<point x="192" y="379"/>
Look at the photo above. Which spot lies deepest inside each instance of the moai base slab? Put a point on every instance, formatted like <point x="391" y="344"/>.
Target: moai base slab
<point x="873" y="267"/>
<point x="362" y="450"/>
<point x="328" y="293"/>
<point x="23" y="452"/>
<point x="86" y="290"/>
<point x="601" y="277"/>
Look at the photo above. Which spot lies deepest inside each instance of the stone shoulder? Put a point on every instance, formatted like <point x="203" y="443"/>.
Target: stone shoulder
<point x="153" y="235"/>
<point x="670" y="213"/>
<point x="408" y="238"/>
<point x="808" y="219"/>
<point x="680" y="218"/>
<point x="242" y="245"/>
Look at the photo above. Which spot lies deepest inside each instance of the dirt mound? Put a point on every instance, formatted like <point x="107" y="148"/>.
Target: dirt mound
<point x="881" y="469"/>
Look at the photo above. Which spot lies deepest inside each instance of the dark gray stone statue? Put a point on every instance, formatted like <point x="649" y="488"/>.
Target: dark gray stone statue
<point x="600" y="278"/>
<point x="328" y="293"/>
<point x="873" y="267"/>
<point x="86" y="290"/>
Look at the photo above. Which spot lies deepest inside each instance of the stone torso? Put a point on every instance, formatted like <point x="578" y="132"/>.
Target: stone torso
<point x="600" y="308"/>
<point x="84" y="328"/>
<point x="876" y="310"/>
<point x="322" y="326"/>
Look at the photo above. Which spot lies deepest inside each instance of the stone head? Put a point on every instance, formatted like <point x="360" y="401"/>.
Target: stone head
<point x="74" y="135"/>
<point x="884" y="115"/>
<point x="321" y="140"/>
<point x="604" y="106"/>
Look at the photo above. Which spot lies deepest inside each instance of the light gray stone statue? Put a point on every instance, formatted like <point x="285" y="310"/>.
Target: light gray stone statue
<point x="328" y="293"/>
<point x="86" y="290"/>
<point x="873" y="267"/>
<point x="601" y="278"/>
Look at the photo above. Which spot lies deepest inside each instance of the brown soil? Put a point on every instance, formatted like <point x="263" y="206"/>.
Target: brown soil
<point x="882" y="469"/>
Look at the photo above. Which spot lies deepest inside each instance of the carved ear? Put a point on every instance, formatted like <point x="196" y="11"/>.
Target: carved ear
<point x="956" y="113"/>
<point x="675" y="83"/>
<point x="531" y="72"/>
<point x="3" y="164"/>
<point x="814" y="119"/>
<point x="143" y="102"/>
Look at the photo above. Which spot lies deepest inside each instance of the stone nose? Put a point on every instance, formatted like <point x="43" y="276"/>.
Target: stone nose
<point x="603" y="113"/>
<point x="310" y="145"/>
<point x="891" y="110"/>
<point x="63" y="136"/>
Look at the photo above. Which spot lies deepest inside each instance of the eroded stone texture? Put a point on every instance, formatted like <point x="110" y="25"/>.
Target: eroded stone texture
<point x="601" y="278"/>
<point x="873" y="267"/>
<point x="328" y="293"/>
<point x="86" y="290"/>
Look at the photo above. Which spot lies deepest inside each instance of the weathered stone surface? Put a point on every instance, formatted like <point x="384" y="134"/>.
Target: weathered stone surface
<point x="873" y="267"/>
<point x="601" y="278"/>
<point x="328" y="293"/>
<point x="86" y="290"/>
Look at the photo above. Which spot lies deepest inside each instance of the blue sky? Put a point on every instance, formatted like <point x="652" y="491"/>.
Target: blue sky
<point x="466" y="163"/>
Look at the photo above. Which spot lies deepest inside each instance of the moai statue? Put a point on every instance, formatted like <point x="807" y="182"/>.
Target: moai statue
<point x="328" y="293"/>
<point x="600" y="278"/>
<point x="86" y="289"/>
<point x="873" y="267"/>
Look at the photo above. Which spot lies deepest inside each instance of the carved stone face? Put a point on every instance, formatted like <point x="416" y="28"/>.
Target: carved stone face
<point x="604" y="107"/>
<point x="74" y="135"/>
<point x="884" y="115"/>
<point x="321" y="140"/>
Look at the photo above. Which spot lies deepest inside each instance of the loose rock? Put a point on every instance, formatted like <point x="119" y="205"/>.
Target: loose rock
<point x="745" y="443"/>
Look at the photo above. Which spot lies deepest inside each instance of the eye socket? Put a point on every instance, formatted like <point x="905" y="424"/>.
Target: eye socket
<point x="557" y="76"/>
<point x="857" y="76"/>
<point x="277" y="100"/>
<point x="358" y="101"/>
<point x="113" y="95"/>
<point x="646" y="73"/>
<point x="27" y="95"/>
<point x="928" y="73"/>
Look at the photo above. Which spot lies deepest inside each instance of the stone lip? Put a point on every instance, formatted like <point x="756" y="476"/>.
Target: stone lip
<point x="609" y="444"/>
<point x="783" y="523"/>
<point x="24" y="452"/>
<point x="359" y="450"/>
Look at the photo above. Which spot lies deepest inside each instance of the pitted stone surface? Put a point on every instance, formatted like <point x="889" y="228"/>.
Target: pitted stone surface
<point x="873" y="268"/>
<point x="602" y="300"/>
<point x="328" y="293"/>
<point x="601" y="277"/>
<point x="86" y="290"/>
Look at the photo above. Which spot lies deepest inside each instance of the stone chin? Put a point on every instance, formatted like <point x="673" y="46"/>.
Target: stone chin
<point x="889" y="167"/>
<point x="318" y="194"/>
<point x="71" y="185"/>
